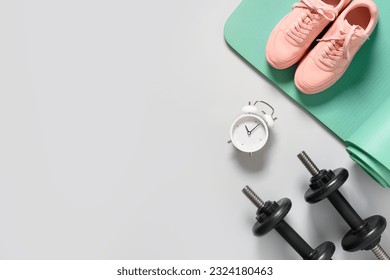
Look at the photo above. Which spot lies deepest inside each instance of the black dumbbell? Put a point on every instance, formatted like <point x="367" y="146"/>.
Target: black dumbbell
<point x="270" y="216"/>
<point x="364" y="234"/>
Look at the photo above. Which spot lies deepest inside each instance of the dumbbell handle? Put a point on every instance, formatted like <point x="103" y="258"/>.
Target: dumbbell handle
<point x="345" y="210"/>
<point x="283" y="228"/>
<point x="336" y="198"/>
<point x="324" y="251"/>
<point x="294" y="239"/>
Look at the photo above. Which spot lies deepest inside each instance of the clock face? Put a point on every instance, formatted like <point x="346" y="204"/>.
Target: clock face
<point x="249" y="133"/>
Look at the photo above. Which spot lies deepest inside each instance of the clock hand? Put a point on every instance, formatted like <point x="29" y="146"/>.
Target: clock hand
<point x="254" y="128"/>
<point x="247" y="130"/>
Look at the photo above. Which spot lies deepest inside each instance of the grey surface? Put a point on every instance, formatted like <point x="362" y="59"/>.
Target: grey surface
<point x="114" y="117"/>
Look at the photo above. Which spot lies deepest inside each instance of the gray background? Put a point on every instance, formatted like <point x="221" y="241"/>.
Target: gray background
<point x="114" y="117"/>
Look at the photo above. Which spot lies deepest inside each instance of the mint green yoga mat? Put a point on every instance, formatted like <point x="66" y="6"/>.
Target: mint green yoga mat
<point x="356" y="108"/>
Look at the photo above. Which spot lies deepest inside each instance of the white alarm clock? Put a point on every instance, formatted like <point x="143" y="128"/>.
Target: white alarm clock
<point x="249" y="132"/>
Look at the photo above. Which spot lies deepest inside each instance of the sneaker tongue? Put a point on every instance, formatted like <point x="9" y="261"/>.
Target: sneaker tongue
<point x="337" y="6"/>
<point x="320" y="3"/>
<point x="346" y="26"/>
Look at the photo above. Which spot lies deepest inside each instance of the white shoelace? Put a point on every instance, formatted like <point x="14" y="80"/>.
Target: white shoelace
<point x="306" y="23"/>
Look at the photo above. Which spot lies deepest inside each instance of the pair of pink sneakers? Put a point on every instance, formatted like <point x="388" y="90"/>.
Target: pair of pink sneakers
<point x="330" y="58"/>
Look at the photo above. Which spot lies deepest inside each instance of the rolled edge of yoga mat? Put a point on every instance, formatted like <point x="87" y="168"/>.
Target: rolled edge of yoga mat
<point x="373" y="167"/>
<point x="369" y="145"/>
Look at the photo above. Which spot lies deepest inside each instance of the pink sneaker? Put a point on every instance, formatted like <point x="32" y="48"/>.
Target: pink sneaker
<point x="293" y="35"/>
<point x="327" y="62"/>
